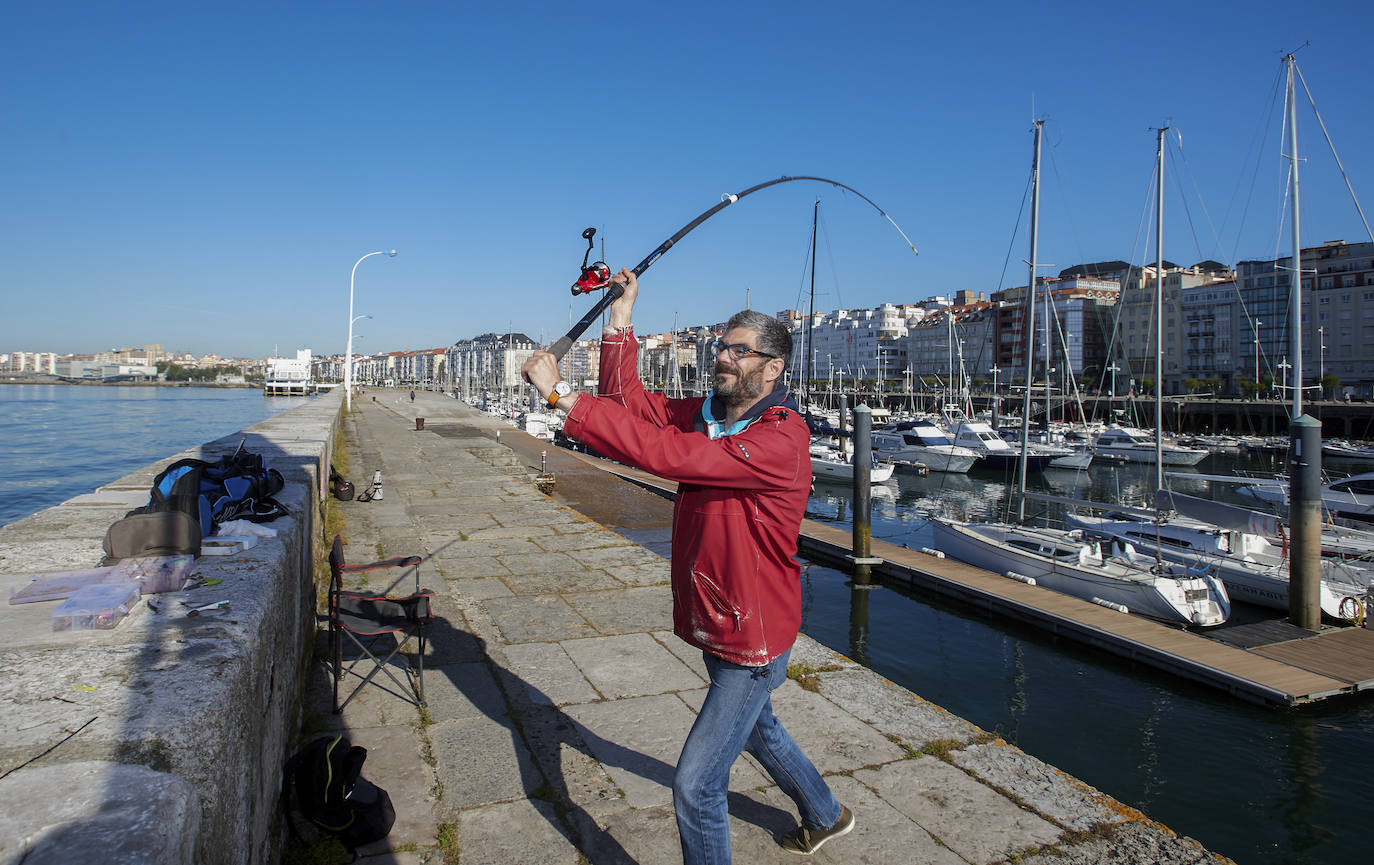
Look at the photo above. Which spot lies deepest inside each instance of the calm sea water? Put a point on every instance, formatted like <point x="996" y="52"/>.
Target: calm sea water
<point x="1258" y="785"/>
<point x="59" y="441"/>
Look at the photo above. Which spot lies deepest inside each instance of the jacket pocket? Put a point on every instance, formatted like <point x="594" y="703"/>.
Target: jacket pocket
<point x="717" y="600"/>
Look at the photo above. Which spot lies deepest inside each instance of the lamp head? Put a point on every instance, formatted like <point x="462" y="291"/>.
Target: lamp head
<point x="391" y="254"/>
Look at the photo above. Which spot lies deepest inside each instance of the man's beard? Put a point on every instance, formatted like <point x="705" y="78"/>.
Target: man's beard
<point x="746" y="388"/>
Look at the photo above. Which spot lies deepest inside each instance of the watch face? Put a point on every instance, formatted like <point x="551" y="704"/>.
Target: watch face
<point x="562" y="388"/>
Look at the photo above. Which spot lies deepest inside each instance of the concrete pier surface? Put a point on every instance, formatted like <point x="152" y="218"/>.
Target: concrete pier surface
<point x="558" y="698"/>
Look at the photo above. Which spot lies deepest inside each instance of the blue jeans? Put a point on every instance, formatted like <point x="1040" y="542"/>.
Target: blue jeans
<point x="738" y="716"/>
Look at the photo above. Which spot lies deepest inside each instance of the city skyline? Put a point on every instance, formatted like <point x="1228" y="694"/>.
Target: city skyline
<point x="196" y="172"/>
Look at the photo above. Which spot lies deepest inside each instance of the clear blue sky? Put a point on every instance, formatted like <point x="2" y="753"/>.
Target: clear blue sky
<point x="204" y="175"/>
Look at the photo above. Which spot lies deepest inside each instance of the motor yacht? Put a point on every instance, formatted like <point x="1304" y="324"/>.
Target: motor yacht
<point x="1138" y="445"/>
<point x="922" y="442"/>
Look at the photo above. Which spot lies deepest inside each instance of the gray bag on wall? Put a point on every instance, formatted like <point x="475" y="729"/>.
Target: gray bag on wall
<point x="158" y="533"/>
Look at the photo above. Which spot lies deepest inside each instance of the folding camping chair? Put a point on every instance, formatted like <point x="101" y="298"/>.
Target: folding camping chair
<point x="368" y="618"/>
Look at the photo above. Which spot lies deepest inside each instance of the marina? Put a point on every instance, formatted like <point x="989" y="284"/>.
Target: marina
<point x="1334" y="662"/>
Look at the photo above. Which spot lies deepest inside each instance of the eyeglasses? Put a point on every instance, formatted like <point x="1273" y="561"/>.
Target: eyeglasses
<point x="738" y="350"/>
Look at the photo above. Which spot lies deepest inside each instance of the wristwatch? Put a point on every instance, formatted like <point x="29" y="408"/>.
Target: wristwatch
<point x="561" y="389"/>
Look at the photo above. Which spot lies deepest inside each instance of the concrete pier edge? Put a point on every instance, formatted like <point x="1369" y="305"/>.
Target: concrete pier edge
<point x="554" y="695"/>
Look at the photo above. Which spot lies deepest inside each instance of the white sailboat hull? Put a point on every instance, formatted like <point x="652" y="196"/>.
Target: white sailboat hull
<point x="1256" y="578"/>
<point x="937" y="458"/>
<point x="1172" y="456"/>
<point x="1072" y="570"/>
<point x="829" y="469"/>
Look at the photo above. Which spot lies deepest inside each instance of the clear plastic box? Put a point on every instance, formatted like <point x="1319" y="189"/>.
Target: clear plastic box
<point x="152" y="573"/>
<point x="95" y="608"/>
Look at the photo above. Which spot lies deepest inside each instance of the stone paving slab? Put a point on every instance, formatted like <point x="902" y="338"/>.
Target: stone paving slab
<point x="882" y="833"/>
<point x="542" y="617"/>
<point x="524" y="832"/>
<point x="835" y="740"/>
<point x="462" y="691"/>
<point x="477" y="588"/>
<point x="626" y="610"/>
<point x="546" y="675"/>
<point x="1058" y="796"/>
<point x="970" y="818"/>
<point x="638" y="740"/>
<point x="480" y="760"/>
<point x="474" y="568"/>
<point x="893" y="709"/>
<point x="650" y="574"/>
<point x="632" y="665"/>
<point x="549" y="573"/>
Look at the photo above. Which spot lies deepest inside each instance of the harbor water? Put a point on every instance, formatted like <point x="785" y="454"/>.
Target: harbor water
<point x="61" y="441"/>
<point x="1260" y="785"/>
<point x="1263" y="786"/>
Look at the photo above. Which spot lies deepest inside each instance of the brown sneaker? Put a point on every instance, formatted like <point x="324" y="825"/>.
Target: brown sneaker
<point x="804" y="840"/>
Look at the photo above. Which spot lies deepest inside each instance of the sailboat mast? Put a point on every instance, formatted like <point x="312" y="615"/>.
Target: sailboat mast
<point x="1295" y="292"/>
<point x="1030" y="324"/>
<point x="811" y="313"/>
<point x="1159" y="310"/>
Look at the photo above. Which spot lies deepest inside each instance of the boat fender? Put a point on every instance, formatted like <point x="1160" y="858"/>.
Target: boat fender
<point x="939" y="554"/>
<point x="1020" y="578"/>
<point x="1120" y="608"/>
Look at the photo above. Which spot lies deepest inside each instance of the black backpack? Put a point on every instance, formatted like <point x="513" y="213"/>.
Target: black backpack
<point x="340" y="486"/>
<point x="331" y="793"/>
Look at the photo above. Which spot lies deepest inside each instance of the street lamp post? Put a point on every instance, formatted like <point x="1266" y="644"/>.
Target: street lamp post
<point x="348" y="349"/>
<point x="1257" y="384"/>
<point x="1283" y="388"/>
<point x="356" y="337"/>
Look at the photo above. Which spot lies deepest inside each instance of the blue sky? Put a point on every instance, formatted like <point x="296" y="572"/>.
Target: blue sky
<point x="205" y="175"/>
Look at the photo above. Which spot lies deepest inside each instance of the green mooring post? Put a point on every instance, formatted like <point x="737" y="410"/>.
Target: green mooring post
<point x="863" y="495"/>
<point x="1305" y="522"/>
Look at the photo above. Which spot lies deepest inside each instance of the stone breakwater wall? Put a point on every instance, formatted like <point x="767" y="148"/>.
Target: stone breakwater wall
<point x="161" y="740"/>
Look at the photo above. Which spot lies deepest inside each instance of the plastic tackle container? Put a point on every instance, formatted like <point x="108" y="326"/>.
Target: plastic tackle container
<point x="95" y="608"/>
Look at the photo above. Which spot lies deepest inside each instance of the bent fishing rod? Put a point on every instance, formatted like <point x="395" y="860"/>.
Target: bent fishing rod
<point x="597" y="275"/>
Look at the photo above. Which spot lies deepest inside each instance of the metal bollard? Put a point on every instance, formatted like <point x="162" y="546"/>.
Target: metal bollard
<point x="419" y="423"/>
<point x="862" y="557"/>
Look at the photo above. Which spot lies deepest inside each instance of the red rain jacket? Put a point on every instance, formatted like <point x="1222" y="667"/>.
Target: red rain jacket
<point x="740" y="502"/>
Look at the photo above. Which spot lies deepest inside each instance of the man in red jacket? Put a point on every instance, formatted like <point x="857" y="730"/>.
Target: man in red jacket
<point x="743" y="468"/>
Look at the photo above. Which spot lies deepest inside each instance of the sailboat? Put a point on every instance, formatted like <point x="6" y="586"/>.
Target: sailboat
<point x="1113" y="573"/>
<point x="1248" y="551"/>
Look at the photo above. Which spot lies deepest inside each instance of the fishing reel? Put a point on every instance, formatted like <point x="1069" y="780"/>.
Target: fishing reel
<point x="595" y="276"/>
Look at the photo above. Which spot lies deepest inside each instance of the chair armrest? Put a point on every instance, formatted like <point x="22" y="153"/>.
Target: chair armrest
<point x="399" y="562"/>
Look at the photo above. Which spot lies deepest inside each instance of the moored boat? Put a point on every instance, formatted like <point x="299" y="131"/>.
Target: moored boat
<point x="922" y="442"/>
<point x="1252" y="568"/>
<point x="828" y="464"/>
<point x="1138" y="445"/>
<point x="1074" y="564"/>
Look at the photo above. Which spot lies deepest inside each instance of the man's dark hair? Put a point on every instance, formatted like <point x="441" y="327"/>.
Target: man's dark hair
<point x="774" y="337"/>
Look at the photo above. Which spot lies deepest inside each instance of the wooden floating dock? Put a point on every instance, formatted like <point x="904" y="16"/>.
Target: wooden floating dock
<point x="1287" y="666"/>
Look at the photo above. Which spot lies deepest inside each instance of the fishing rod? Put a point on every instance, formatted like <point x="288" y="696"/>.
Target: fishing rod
<point x="597" y="275"/>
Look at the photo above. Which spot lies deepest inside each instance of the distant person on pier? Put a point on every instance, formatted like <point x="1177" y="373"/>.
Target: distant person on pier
<point x="742" y="459"/>
<point x="412" y="396"/>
